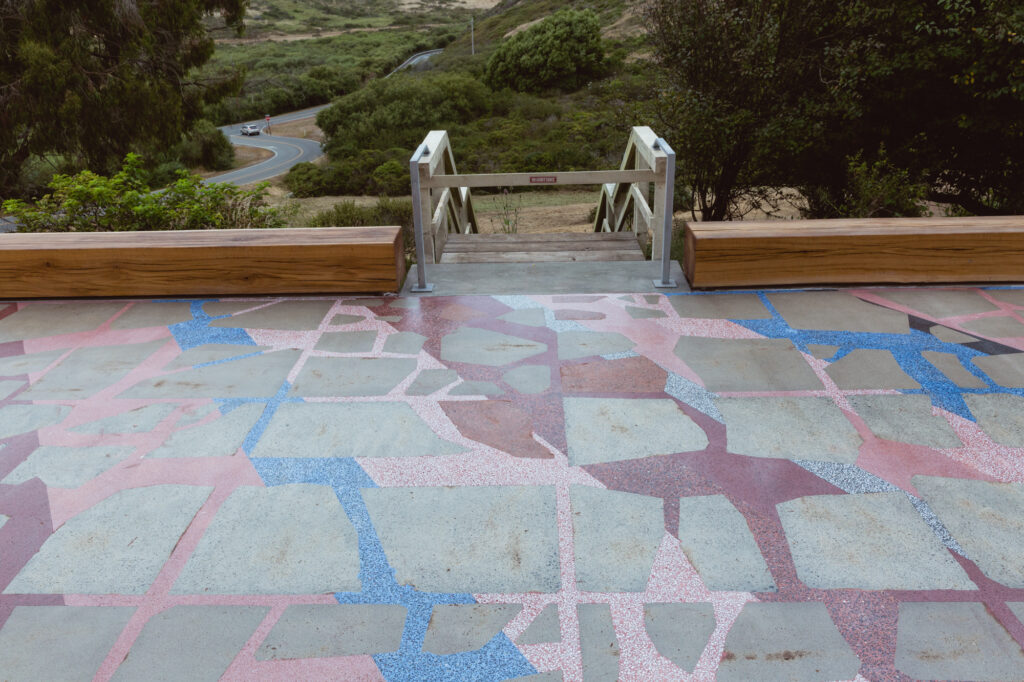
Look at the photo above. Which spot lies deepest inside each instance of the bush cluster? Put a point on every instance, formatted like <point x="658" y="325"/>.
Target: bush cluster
<point x="387" y="211"/>
<point x="88" y="202"/>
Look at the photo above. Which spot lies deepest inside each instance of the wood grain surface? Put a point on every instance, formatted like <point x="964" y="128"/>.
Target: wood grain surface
<point x="855" y="251"/>
<point x="198" y="263"/>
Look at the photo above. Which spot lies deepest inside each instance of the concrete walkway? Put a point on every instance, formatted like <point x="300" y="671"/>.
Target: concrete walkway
<point x="818" y="485"/>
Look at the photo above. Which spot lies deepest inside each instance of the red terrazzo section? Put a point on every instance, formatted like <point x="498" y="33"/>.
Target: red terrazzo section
<point x="499" y="424"/>
<point x="626" y="375"/>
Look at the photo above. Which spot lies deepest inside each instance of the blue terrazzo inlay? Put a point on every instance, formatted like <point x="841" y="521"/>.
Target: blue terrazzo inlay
<point x="498" y="660"/>
<point x="197" y="332"/>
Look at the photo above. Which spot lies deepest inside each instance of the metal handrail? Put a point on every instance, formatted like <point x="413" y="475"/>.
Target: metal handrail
<point x="421" y="285"/>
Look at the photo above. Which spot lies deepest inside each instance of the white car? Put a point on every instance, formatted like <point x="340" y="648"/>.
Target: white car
<point x="250" y="129"/>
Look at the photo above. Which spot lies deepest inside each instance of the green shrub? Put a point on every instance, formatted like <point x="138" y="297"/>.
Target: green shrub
<point x="88" y="202"/>
<point x="563" y="51"/>
<point x="205" y="145"/>
<point x="399" y="111"/>
<point x="387" y="211"/>
<point x="391" y="178"/>
<point x="873" y="189"/>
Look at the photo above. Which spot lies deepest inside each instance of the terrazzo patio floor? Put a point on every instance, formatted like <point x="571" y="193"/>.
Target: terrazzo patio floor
<point x="800" y="485"/>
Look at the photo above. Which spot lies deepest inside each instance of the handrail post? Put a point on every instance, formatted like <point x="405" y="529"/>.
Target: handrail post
<point x="421" y="285"/>
<point x="666" y="240"/>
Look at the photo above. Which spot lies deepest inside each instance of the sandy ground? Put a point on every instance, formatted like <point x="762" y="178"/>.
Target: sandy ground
<point x="304" y="128"/>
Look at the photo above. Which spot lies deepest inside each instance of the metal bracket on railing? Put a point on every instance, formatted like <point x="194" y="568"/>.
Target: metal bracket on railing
<point x="666" y="240"/>
<point x="421" y="285"/>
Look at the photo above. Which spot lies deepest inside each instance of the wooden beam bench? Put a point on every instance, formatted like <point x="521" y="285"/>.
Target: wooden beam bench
<point x="854" y="251"/>
<point x="202" y="262"/>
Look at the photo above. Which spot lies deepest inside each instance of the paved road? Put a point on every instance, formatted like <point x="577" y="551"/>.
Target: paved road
<point x="287" y="151"/>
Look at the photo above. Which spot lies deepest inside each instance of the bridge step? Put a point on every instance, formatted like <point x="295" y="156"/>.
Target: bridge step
<point x="542" y="248"/>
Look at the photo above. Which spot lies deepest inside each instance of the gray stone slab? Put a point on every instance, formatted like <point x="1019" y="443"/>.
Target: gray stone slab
<point x="484" y="347"/>
<point x="611" y="430"/>
<point x="950" y="335"/>
<point x="905" y="418"/>
<point x="365" y="302"/>
<point x="995" y="327"/>
<point x="115" y="547"/>
<point x="190" y="643"/>
<point x="638" y="313"/>
<point x="772" y="642"/>
<point x="389" y="318"/>
<point x="544" y="278"/>
<point x="153" y="314"/>
<point x="574" y="345"/>
<point x="1017" y="608"/>
<point x="822" y="352"/>
<point x="986" y="519"/>
<point x="1000" y="416"/>
<point x="680" y="632"/>
<point x="869" y="368"/>
<point x="286" y="315"/>
<point x="3" y="520"/>
<point x="496" y="539"/>
<point x="837" y="311"/>
<point x="747" y="364"/>
<point x="719" y="544"/>
<point x="412" y="303"/>
<point x="789" y="428"/>
<point x="529" y="379"/>
<point x="15" y="419"/>
<point x="652" y="298"/>
<point x="545" y="627"/>
<point x="344" y="377"/>
<point x="1014" y="296"/>
<point x="954" y="641"/>
<point x="430" y="380"/>
<point x="615" y="556"/>
<point x="720" y="306"/>
<point x="350" y="430"/>
<point x="211" y="352"/>
<point x="404" y="343"/>
<point x="254" y="377"/>
<point x="953" y="369"/>
<point x="9" y="387"/>
<point x="289" y="539"/>
<point x="347" y="342"/>
<point x="16" y="365"/>
<point x="531" y="317"/>
<point x="477" y="388"/>
<point x="89" y="370"/>
<point x="455" y="628"/>
<point x="342" y="318"/>
<point x="598" y="644"/>
<point x="219" y="438"/>
<point x="138" y="420"/>
<point x="876" y="541"/>
<point x="67" y="467"/>
<point x="37" y="320"/>
<point x="325" y="630"/>
<point x="939" y="303"/>
<point x="1005" y="370"/>
<point x="228" y="306"/>
<point x="59" y="643"/>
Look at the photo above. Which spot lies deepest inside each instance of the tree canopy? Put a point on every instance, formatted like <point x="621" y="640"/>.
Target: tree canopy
<point x="94" y="79"/>
<point x="562" y="51"/>
<point x="833" y="96"/>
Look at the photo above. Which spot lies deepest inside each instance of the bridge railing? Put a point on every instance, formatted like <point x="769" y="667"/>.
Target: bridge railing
<point x="442" y="200"/>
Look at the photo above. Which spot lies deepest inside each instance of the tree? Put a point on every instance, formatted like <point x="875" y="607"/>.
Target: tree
<point x="746" y="83"/>
<point x="562" y="51"/>
<point x="92" y="80"/>
<point x="763" y="94"/>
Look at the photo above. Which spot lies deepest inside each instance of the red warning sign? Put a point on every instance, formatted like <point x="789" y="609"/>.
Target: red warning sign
<point x="543" y="179"/>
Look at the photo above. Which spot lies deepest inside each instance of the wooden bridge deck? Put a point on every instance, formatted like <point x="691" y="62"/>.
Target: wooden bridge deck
<point x="542" y="248"/>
